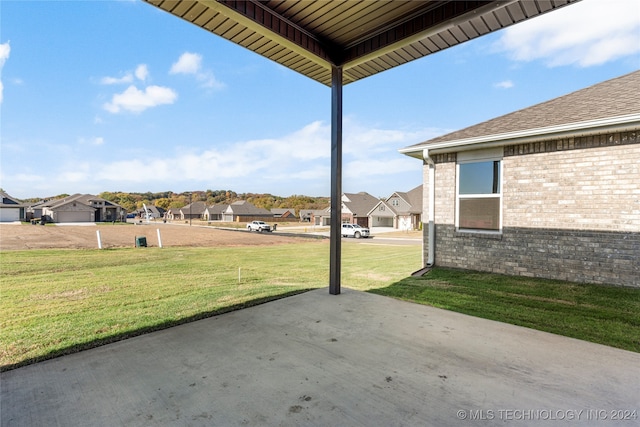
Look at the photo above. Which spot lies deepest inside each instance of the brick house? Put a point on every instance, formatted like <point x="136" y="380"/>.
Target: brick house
<point x="356" y="207"/>
<point x="243" y="211"/>
<point x="550" y="191"/>
<point x="320" y="217"/>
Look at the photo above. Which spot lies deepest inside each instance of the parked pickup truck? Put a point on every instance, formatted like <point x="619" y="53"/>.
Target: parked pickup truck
<point x="259" y="226"/>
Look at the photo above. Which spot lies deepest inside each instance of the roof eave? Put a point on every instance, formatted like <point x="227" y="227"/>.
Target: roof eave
<point x="591" y="127"/>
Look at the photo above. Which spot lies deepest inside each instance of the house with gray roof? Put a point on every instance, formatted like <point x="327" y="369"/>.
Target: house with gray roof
<point x="193" y="210"/>
<point x="284" y="213"/>
<point x="401" y="210"/>
<point x="215" y="212"/>
<point x="11" y="210"/>
<point x="320" y="217"/>
<point x="550" y="191"/>
<point x="243" y="211"/>
<point x="356" y="207"/>
<point x="173" y="214"/>
<point x="81" y="208"/>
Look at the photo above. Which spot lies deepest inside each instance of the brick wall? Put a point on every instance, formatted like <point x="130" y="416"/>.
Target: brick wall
<point x="571" y="211"/>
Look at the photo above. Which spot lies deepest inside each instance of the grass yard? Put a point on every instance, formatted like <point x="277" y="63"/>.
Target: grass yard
<point x="54" y="302"/>
<point x="601" y="314"/>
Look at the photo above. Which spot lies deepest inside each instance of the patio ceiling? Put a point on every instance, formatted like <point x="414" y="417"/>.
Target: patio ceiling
<point x="364" y="37"/>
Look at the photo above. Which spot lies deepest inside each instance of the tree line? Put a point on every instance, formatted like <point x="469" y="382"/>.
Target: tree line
<point x="169" y="199"/>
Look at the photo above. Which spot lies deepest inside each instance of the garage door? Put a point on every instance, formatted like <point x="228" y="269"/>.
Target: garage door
<point x="382" y="221"/>
<point x="9" y="215"/>
<point x="74" y="217"/>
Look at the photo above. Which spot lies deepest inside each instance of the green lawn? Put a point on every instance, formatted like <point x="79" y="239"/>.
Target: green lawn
<point x="601" y="314"/>
<point x="54" y="302"/>
<point x="58" y="301"/>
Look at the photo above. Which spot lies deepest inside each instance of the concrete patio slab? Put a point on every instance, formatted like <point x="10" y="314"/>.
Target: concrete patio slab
<point x="314" y="359"/>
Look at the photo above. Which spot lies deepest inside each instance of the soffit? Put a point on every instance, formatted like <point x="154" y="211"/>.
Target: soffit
<point x="364" y="37"/>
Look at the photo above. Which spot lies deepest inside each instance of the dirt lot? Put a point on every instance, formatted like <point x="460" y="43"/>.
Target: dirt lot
<point x="27" y="236"/>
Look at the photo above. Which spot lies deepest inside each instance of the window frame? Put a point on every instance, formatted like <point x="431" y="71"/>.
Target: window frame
<point x="480" y="156"/>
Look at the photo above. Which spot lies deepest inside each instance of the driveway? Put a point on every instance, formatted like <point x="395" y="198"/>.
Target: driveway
<point x="314" y="359"/>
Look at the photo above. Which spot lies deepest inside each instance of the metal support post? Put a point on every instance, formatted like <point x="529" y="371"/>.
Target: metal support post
<point x="336" y="180"/>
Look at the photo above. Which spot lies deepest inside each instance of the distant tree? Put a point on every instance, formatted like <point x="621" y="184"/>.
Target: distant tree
<point x="163" y="203"/>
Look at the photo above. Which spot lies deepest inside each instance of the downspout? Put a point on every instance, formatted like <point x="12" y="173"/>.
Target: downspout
<point x="431" y="242"/>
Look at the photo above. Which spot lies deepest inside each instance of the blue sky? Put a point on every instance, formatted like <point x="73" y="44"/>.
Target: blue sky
<point x="120" y="96"/>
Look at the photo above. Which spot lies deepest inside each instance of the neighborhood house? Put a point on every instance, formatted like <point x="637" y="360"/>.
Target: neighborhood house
<point x="551" y="191"/>
<point x="77" y="208"/>
<point x="11" y="210"/>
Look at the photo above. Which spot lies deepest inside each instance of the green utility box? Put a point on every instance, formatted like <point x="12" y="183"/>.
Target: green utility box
<point x="141" y="242"/>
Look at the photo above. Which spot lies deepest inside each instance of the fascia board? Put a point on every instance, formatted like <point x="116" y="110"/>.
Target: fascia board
<point x="607" y="125"/>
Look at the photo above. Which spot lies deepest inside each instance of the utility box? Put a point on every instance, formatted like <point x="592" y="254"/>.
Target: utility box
<point x="141" y="242"/>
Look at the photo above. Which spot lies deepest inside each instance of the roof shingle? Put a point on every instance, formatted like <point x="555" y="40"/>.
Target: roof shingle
<point x="612" y="98"/>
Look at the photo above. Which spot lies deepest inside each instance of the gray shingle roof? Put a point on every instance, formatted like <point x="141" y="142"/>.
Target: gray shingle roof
<point x="245" y="208"/>
<point x="195" y="208"/>
<point x="5" y="199"/>
<point x="359" y="203"/>
<point x="612" y="98"/>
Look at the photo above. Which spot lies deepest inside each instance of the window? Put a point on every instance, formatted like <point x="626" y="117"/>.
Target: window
<point x="479" y="195"/>
<point x="395" y="202"/>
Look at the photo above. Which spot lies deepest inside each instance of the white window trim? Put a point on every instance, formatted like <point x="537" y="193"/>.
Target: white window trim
<point x="488" y="155"/>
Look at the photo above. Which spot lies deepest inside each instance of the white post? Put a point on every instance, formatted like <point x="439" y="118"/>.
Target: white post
<point x="159" y="239"/>
<point x="239" y="275"/>
<point x="99" y="241"/>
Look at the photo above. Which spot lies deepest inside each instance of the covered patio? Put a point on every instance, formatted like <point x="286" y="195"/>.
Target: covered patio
<point x="340" y="42"/>
<point x="317" y="360"/>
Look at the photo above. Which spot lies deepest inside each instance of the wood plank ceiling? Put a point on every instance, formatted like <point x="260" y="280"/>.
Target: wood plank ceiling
<point x="365" y="37"/>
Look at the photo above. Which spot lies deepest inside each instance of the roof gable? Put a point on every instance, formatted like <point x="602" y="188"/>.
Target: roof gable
<point x="217" y="209"/>
<point x="5" y="199"/>
<point x="359" y="203"/>
<point x="195" y="208"/>
<point x="243" y="207"/>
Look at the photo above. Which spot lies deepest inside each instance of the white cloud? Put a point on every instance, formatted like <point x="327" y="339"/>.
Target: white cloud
<point x="301" y="156"/>
<point x="127" y="78"/>
<point x="298" y="161"/>
<point x="505" y="84"/>
<point x="136" y="100"/>
<point x="142" y="72"/>
<point x="5" y="50"/>
<point x="188" y="63"/>
<point x="361" y="140"/>
<point x="587" y="33"/>
<point x="191" y="64"/>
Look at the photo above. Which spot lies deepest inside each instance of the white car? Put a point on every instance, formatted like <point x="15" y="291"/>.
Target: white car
<point x="259" y="226"/>
<point x="354" y="230"/>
